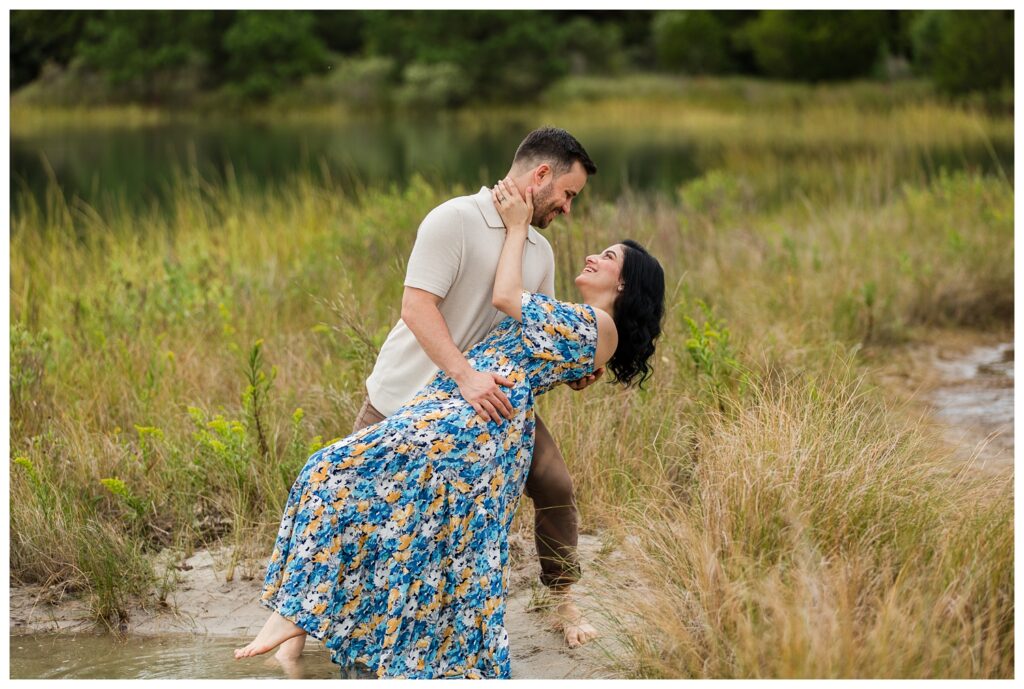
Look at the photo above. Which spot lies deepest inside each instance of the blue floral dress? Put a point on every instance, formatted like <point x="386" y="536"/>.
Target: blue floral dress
<point x="393" y="547"/>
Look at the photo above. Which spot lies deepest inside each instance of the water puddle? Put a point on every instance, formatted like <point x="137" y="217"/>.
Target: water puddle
<point x="104" y="656"/>
<point x="973" y="399"/>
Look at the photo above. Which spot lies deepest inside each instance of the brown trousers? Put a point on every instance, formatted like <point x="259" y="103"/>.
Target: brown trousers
<point x="555" y="525"/>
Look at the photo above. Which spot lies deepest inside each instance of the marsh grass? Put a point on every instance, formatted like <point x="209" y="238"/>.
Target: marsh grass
<point x="817" y="538"/>
<point x="172" y="368"/>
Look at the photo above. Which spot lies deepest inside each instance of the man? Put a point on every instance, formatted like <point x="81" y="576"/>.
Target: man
<point x="446" y="309"/>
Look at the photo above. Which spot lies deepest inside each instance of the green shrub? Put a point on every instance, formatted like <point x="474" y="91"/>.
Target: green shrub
<point x="438" y="85"/>
<point x="268" y="50"/>
<point x="150" y="56"/>
<point x="478" y="42"/>
<point x="692" y="41"/>
<point x="30" y="354"/>
<point x="717" y="194"/>
<point x="41" y="37"/>
<point x="965" y="51"/>
<point x="816" y="45"/>
<point x="713" y="357"/>
<point x="593" y="48"/>
<point x="357" y="83"/>
<point x="363" y="82"/>
<point x="120" y="489"/>
<point x="67" y="86"/>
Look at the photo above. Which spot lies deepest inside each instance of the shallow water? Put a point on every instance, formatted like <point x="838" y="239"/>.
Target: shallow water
<point x="104" y="656"/>
<point x="975" y="400"/>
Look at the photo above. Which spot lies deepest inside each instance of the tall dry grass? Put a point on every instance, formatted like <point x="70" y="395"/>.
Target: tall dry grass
<point x="809" y="532"/>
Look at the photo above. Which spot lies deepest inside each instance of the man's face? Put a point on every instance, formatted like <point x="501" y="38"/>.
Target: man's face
<point x="553" y="196"/>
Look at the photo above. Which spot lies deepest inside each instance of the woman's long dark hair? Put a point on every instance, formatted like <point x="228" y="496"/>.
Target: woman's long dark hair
<point x="638" y="312"/>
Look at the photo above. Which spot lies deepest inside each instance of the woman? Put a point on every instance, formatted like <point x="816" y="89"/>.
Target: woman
<point x="393" y="548"/>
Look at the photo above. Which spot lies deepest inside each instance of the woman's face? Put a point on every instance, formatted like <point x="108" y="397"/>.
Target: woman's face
<point x="602" y="272"/>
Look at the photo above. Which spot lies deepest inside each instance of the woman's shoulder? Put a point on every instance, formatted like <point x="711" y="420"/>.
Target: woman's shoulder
<point x="607" y="336"/>
<point x="605" y="320"/>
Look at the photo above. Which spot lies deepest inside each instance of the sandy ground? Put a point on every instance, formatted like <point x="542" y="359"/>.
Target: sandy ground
<point x="204" y="604"/>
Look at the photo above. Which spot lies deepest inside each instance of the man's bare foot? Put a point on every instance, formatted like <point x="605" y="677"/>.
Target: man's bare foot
<point x="569" y="619"/>
<point x="276" y="631"/>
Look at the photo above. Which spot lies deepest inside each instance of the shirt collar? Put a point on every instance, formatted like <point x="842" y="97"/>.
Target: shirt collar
<point x="491" y="216"/>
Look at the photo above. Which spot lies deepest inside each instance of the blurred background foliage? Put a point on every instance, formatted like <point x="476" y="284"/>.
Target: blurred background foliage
<point x="445" y="58"/>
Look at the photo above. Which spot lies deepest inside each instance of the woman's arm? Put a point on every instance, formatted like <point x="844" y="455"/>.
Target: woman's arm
<point x="508" y="280"/>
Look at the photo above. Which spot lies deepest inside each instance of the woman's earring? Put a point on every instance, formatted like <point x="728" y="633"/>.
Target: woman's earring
<point x="620" y="288"/>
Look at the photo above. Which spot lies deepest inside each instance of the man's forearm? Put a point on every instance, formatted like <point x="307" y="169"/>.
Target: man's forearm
<point x="479" y="388"/>
<point x="428" y="326"/>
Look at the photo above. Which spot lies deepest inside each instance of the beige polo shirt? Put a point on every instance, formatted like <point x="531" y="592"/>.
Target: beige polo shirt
<point x="455" y="257"/>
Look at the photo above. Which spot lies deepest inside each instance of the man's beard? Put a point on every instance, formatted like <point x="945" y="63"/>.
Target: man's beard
<point x="542" y="207"/>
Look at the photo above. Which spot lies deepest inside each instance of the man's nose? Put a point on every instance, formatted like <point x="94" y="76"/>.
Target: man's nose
<point x="567" y="207"/>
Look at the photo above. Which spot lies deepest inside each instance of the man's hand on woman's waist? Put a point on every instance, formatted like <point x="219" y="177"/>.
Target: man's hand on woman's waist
<point x="481" y="389"/>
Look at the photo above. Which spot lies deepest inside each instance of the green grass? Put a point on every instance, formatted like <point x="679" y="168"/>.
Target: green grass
<point x="172" y="369"/>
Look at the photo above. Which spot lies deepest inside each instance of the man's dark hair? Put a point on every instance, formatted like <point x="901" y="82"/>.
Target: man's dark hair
<point x="555" y="146"/>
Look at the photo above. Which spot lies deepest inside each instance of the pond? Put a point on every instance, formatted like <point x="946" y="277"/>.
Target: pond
<point x="138" y="164"/>
<point x="104" y="656"/>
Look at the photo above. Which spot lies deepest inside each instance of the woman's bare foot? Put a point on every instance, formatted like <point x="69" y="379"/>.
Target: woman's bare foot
<point x="276" y="631"/>
<point x="293" y="669"/>
<point x="291" y="650"/>
<point x="570" y="620"/>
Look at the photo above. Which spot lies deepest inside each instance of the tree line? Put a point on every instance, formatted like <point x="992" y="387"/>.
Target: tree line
<point x="448" y="57"/>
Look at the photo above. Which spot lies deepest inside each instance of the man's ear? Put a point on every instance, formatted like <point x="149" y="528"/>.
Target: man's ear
<point x="541" y="174"/>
